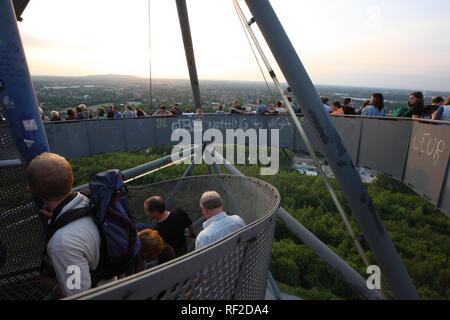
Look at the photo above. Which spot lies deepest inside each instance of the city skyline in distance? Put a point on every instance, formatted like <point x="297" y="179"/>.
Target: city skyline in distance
<point x="122" y="77"/>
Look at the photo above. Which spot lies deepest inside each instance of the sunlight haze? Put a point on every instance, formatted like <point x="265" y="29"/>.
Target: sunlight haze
<point x="398" y="44"/>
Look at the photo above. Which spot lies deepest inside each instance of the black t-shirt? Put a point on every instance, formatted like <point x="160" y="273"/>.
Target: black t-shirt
<point x="238" y="108"/>
<point x="172" y="230"/>
<point x="348" y="110"/>
<point x="430" y="109"/>
<point x="416" y="110"/>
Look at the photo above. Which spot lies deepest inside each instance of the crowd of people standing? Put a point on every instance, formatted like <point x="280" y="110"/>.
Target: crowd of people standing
<point x="439" y="109"/>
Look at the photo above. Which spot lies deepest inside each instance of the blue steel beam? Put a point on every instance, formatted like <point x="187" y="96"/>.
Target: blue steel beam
<point x="189" y="50"/>
<point x="17" y="99"/>
<point x="332" y="147"/>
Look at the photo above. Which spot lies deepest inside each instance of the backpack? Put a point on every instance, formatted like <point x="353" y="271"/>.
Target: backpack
<point x="120" y="242"/>
<point x="403" y="112"/>
<point x="120" y="245"/>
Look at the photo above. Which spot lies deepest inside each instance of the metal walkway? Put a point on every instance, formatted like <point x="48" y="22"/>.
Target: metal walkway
<point x="234" y="268"/>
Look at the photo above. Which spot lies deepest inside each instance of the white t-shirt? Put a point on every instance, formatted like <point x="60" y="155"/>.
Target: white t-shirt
<point x="75" y="247"/>
<point x="129" y="114"/>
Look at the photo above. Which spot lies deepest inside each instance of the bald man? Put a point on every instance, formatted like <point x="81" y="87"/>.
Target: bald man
<point x="73" y="246"/>
<point x="218" y="224"/>
<point x="171" y="224"/>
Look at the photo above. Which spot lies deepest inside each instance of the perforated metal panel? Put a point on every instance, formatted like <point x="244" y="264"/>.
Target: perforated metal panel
<point x="8" y="150"/>
<point x="21" y="234"/>
<point x="233" y="268"/>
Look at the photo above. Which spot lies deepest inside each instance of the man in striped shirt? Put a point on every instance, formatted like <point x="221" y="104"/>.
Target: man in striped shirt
<point x="218" y="224"/>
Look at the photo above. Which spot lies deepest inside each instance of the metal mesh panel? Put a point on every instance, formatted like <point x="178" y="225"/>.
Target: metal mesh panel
<point x="213" y="282"/>
<point x="256" y="268"/>
<point x="247" y="197"/>
<point x="7" y="147"/>
<point x="21" y="234"/>
<point x="234" y="268"/>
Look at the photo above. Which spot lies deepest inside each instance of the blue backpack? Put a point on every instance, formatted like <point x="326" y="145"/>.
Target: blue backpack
<point x="120" y="242"/>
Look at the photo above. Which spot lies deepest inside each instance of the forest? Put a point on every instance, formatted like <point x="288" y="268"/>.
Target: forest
<point x="420" y="233"/>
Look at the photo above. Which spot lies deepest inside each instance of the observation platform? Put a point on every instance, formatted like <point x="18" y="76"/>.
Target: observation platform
<point x="415" y="152"/>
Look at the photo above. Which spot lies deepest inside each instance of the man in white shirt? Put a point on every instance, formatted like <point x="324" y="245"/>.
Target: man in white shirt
<point x="74" y="248"/>
<point x="218" y="224"/>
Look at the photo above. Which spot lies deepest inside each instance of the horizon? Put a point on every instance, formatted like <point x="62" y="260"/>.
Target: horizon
<point x="283" y="83"/>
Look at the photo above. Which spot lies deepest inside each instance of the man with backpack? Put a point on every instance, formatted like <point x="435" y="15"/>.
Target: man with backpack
<point x="88" y="239"/>
<point x="74" y="249"/>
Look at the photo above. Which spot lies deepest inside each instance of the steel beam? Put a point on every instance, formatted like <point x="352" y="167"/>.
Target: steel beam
<point x="332" y="147"/>
<point x="136" y="171"/>
<point x="189" y="50"/>
<point x="17" y="98"/>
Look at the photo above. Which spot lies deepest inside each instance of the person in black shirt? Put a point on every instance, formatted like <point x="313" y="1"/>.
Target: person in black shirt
<point x="347" y="107"/>
<point x="171" y="224"/>
<point x="237" y="108"/>
<point x="110" y="114"/>
<point x="416" y="104"/>
<point x="436" y="103"/>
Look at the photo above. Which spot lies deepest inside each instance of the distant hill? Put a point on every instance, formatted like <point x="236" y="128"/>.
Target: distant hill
<point x="113" y="77"/>
<point x="90" y="79"/>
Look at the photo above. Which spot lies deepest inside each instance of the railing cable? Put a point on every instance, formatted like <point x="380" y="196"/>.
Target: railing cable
<point x="256" y="58"/>
<point x="305" y="138"/>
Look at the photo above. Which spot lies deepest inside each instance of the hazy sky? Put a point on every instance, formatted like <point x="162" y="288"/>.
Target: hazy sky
<point x="380" y="43"/>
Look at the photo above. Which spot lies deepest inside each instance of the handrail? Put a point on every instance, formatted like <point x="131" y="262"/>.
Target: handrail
<point x="142" y="169"/>
<point x="381" y="144"/>
<point x="387" y="117"/>
<point x="12" y="163"/>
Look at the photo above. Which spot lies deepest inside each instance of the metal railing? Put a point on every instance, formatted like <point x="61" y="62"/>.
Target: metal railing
<point x="382" y="144"/>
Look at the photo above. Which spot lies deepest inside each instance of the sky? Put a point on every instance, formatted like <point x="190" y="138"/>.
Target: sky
<point x="369" y="43"/>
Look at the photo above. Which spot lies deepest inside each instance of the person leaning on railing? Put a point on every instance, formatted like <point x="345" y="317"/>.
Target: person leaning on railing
<point x="162" y="112"/>
<point x="101" y="114"/>
<point x="237" y="108"/>
<point x="436" y="103"/>
<point x="443" y="112"/>
<point x="416" y="104"/>
<point x="375" y="107"/>
<point x="336" y="109"/>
